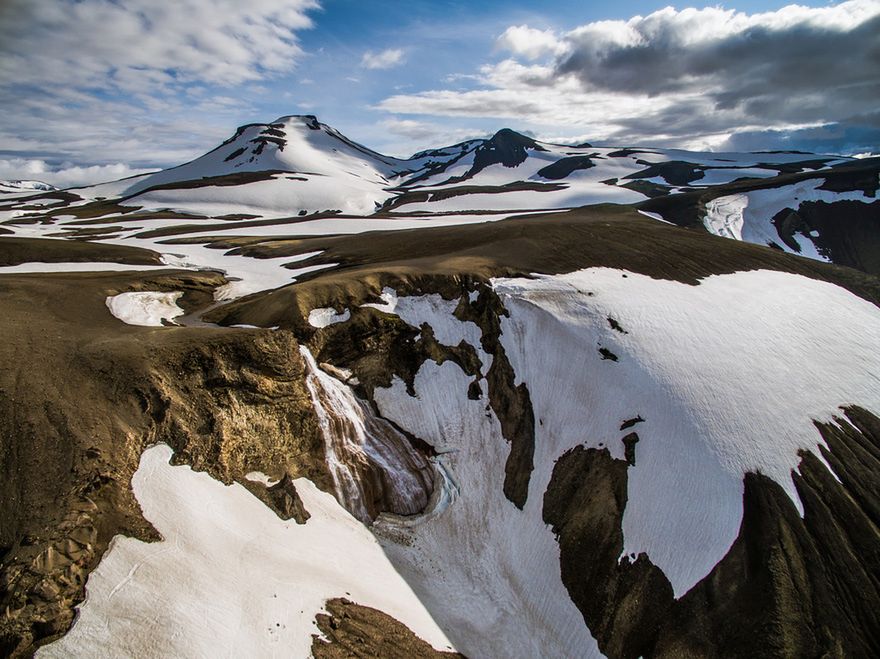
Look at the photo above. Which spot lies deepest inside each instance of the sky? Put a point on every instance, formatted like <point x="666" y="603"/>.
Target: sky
<point x="95" y="90"/>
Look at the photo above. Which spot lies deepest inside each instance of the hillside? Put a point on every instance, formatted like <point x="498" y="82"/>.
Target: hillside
<point x="503" y="398"/>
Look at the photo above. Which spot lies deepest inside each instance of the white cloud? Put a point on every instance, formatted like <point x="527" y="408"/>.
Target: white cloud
<point x="529" y="42"/>
<point x="142" y="44"/>
<point x="65" y="175"/>
<point x="101" y="81"/>
<point x="384" y="59"/>
<point x="686" y="77"/>
<point x="429" y="133"/>
<point x="418" y="136"/>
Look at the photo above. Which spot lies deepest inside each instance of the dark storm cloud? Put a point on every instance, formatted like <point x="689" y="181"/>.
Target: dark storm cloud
<point x="690" y="78"/>
<point x="796" y="71"/>
<point x="842" y="138"/>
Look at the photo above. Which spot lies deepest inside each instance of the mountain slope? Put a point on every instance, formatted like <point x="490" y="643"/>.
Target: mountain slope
<point x="585" y="432"/>
<point x="297" y="165"/>
<point x="831" y="214"/>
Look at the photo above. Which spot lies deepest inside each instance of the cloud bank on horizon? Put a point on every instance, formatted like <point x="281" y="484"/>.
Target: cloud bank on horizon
<point x="95" y="89"/>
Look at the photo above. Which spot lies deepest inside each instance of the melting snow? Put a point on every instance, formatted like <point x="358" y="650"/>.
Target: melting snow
<point x="729" y="375"/>
<point x="437" y="312"/>
<point x="484" y="568"/>
<point x="327" y="316"/>
<point x="147" y="309"/>
<point x="354" y="439"/>
<point x="229" y="578"/>
<point x="724" y="216"/>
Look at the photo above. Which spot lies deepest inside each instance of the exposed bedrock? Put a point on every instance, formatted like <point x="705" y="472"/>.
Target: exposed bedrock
<point x="790" y="586"/>
<point x="75" y="418"/>
<point x="844" y="232"/>
<point x="353" y="630"/>
<point x="373" y="466"/>
<point x="377" y="346"/>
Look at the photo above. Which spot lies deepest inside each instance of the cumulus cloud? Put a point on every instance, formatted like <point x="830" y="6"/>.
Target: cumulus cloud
<point x="529" y="42"/>
<point x="64" y="175"/>
<point x="142" y="44"/>
<point x="384" y="59"/>
<point x="145" y="82"/>
<point x="691" y="77"/>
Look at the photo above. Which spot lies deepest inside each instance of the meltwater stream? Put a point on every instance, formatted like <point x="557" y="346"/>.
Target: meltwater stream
<point x="373" y="466"/>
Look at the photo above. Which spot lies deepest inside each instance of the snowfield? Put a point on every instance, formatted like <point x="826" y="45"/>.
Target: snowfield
<point x="728" y="375"/>
<point x="229" y="578"/>
<point x="748" y="216"/>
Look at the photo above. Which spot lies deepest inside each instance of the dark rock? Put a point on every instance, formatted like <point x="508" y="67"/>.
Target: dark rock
<point x="565" y="166"/>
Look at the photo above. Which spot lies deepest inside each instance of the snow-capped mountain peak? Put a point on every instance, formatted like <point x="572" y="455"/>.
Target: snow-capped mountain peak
<point x="25" y="186"/>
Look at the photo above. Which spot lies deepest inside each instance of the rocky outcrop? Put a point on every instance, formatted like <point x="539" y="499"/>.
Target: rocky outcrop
<point x="373" y="466"/>
<point x="789" y="586"/>
<point x="229" y="402"/>
<point x="352" y="630"/>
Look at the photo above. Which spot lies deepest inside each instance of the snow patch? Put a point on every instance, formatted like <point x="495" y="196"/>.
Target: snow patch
<point x="437" y="312"/>
<point x="655" y="216"/>
<point x="482" y="567"/>
<point x="724" y="216"/>
<point x="229" y="578"/>
<point x="260" y="477"/>
<point x="147" y="308"/>
<point x="327" y="316"/>
<point x="748" y="216"/>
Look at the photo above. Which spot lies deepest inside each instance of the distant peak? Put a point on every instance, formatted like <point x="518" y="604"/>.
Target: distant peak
<point x="27" y="185"/>
<point x="309" y="120"/>
<point x="510" y="136"/>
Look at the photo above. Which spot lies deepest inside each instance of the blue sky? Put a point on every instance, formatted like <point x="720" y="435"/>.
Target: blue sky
<point x="98" y="89"/>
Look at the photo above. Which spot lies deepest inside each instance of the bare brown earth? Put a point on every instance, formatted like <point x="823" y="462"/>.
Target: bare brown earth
<point x="81" y="396"/>
<point x="353" y="631"/>
<point x="450" y="259"/>
<point x="14" y="251"/>
<point x="92" y="392"/>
